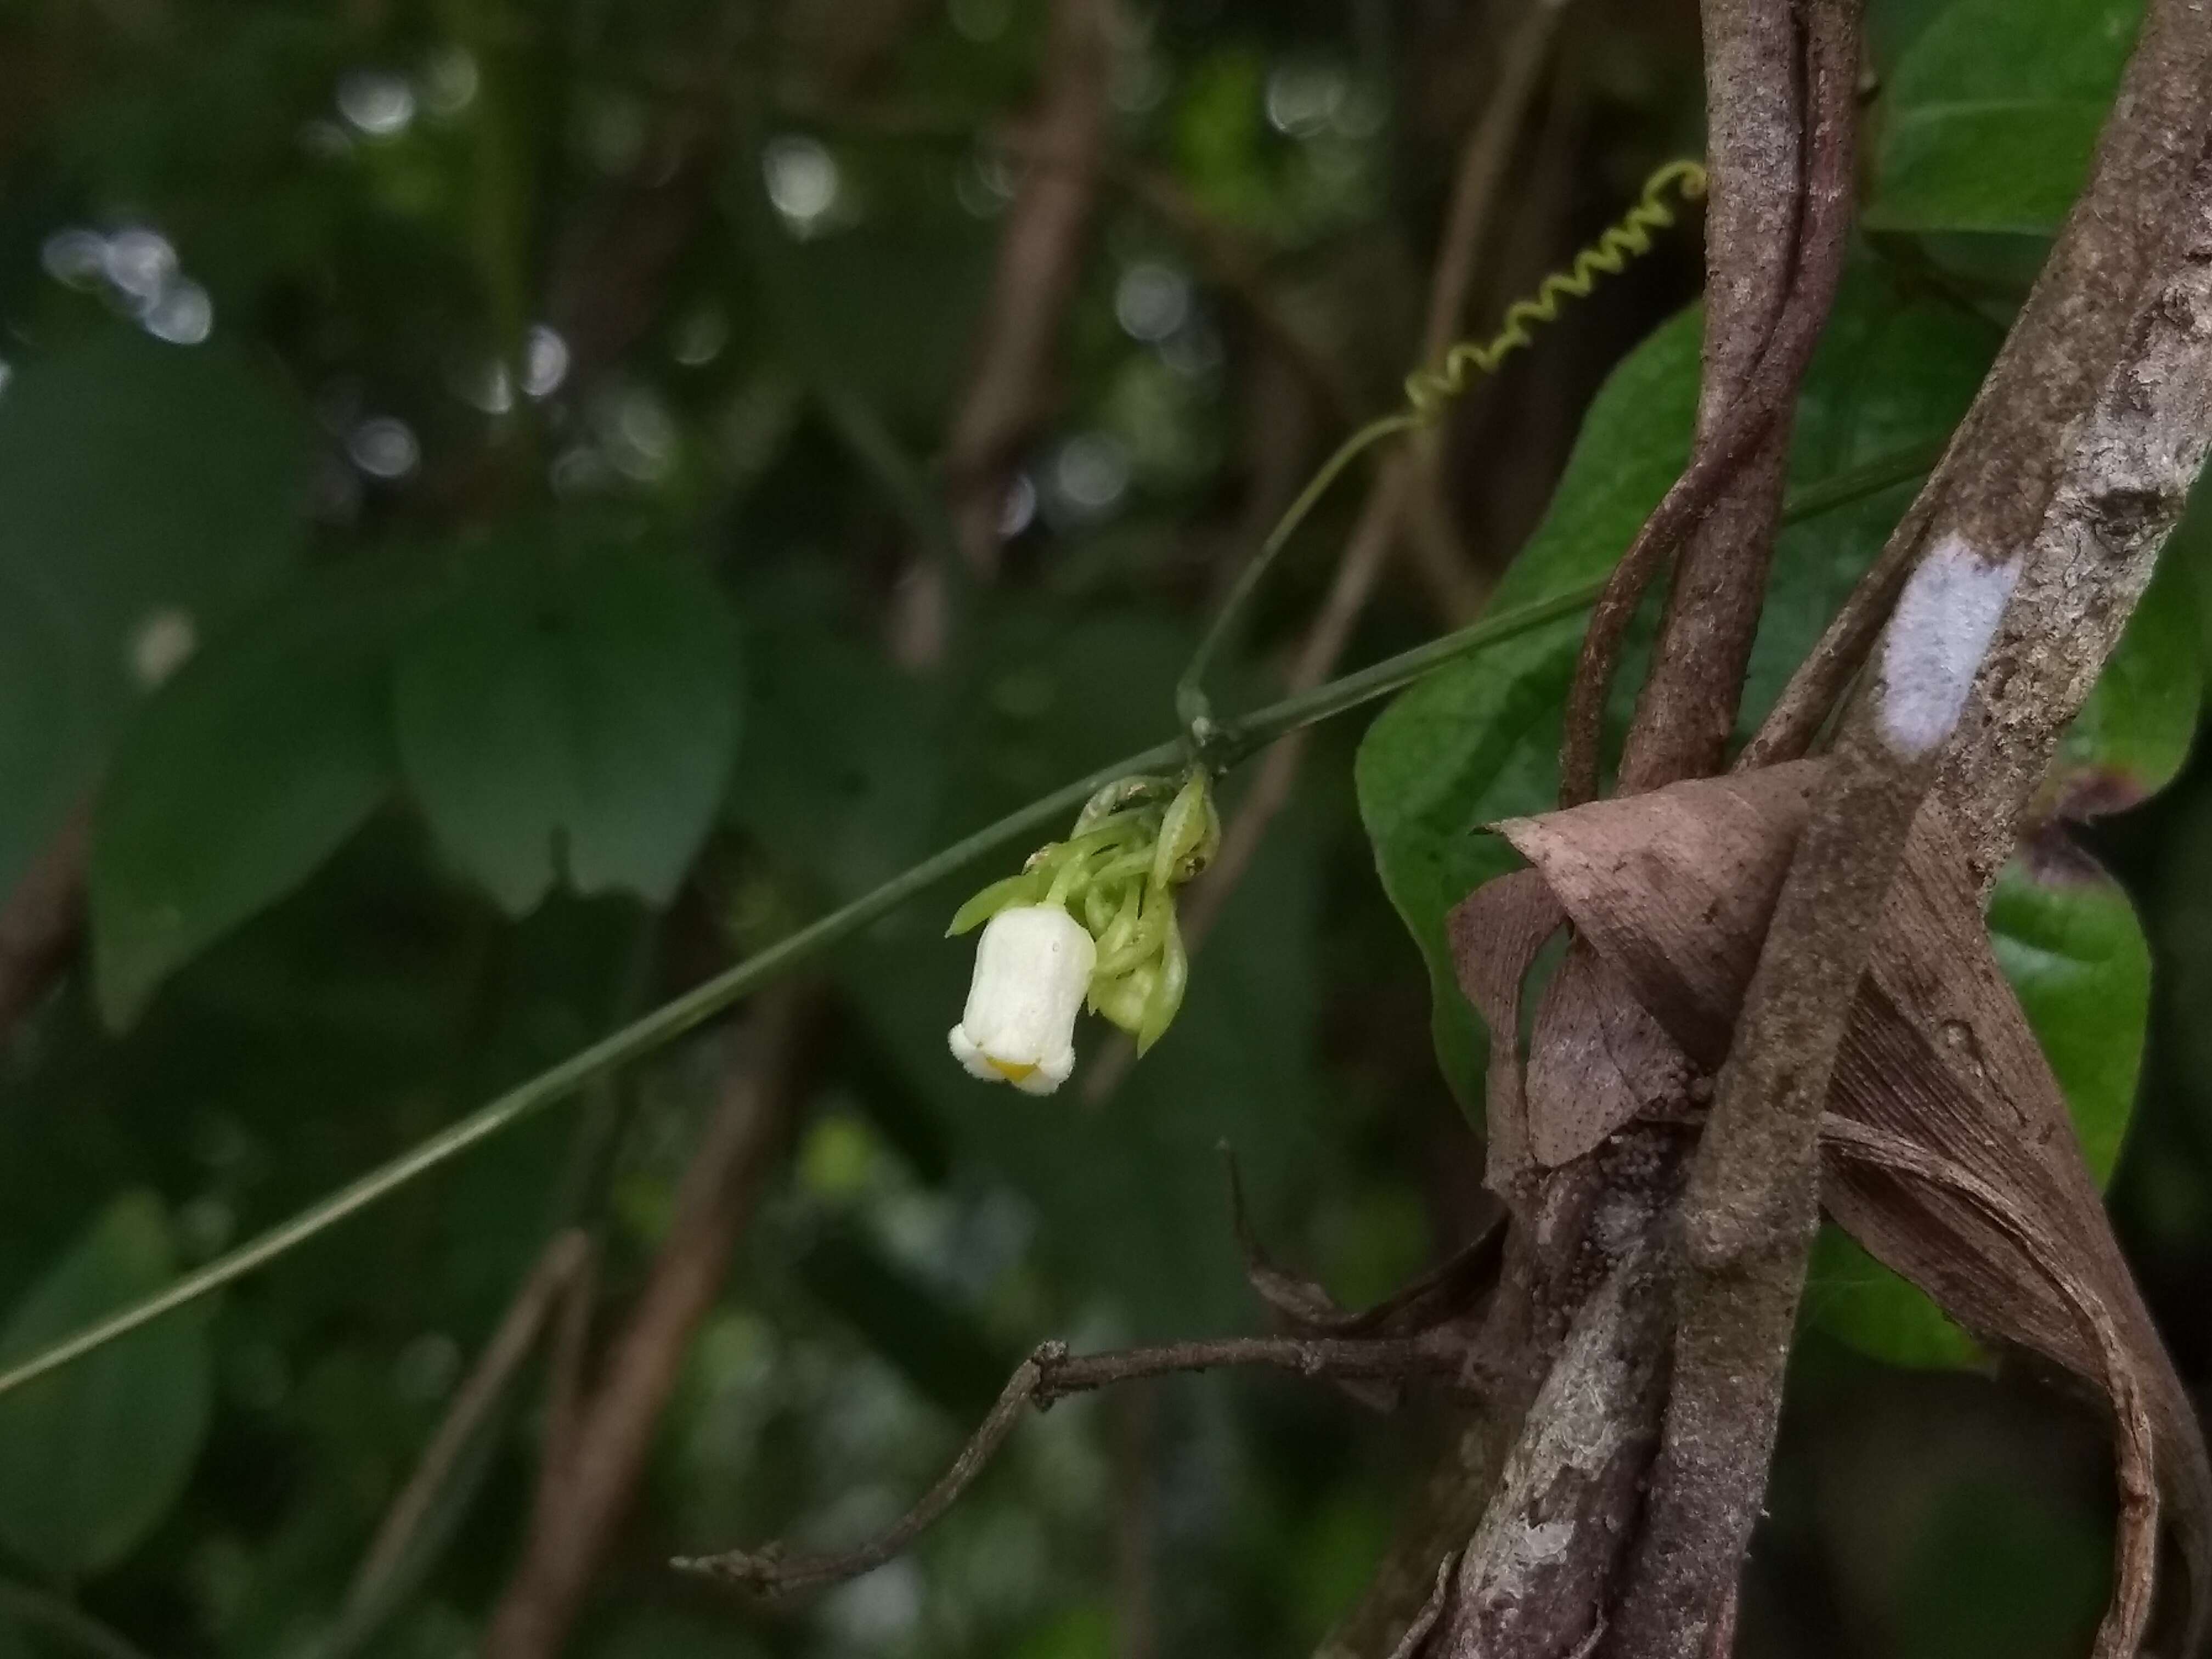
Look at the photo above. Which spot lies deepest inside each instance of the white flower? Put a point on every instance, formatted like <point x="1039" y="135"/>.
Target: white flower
<point x="1032" y="970"/>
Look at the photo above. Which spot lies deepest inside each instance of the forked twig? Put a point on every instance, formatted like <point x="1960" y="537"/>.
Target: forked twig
<point x="1051" y="1373"/>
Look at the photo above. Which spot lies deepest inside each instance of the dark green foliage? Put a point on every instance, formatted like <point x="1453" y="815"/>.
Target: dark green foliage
<point x="91" y="1462"/>
<point x="517" y="605"/>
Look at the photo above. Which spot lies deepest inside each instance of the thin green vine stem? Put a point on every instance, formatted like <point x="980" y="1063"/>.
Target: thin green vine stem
<point x="1190" y="691"/>
<point x="1231" y="741"/>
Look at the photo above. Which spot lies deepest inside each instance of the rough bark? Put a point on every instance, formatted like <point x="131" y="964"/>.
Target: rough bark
<point x="1530" y="1582"/>
<point x="1947" y="1148"/>
<point x="1750" y="1207"/>
<point x="1593" y="1201"/>
<point x="2004" y="456"/>
<point x="2121" y="494"/>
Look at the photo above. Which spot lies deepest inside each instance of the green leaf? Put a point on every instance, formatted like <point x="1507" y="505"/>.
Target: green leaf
<point x="1479" y="741"/>
<point x="1852" y="1297"/>
<point x="92" y="1456"/>
<point x="238" y="779"/>
<point x="2132" y="735"/>
<point x="153" y="493"/>
<point x="1993" y="113"/>
<point x="2070" y="943"/>
<point x="1029" y="887"/>
<point x="570" y="714"/>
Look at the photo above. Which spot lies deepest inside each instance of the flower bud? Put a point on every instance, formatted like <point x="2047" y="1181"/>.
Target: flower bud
<point x="1033" y="967"/>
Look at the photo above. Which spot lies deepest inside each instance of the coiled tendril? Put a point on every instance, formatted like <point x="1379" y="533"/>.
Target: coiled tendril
<point x="1431" y="389"/>
<point x="1430" y="392"/>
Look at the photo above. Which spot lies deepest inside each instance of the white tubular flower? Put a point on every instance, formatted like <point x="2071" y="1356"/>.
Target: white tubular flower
<point x="1032" y="967"/>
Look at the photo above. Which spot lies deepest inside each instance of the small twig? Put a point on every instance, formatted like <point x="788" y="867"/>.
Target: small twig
<point x="1686" y="501"/>
<point x="1444" y="1291"/>
<point x="1776" y="238"/>
<point x="564" y="1258"/>
<point x="566" y="1364"/>
<point x="1051" y="1374"/>
<point x="1431" y="1610"/>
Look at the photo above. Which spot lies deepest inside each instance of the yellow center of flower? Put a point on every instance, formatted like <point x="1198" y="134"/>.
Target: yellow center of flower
<point x="1012" y="1070"/>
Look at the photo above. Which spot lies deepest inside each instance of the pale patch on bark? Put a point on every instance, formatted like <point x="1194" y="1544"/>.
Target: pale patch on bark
<point x="1943" y="623"/>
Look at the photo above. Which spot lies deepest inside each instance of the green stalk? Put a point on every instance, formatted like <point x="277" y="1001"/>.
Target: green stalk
<point x="1235" y="740"/>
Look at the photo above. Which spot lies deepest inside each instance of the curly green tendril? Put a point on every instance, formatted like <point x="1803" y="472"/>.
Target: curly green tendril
<point x="1431" y="389"/>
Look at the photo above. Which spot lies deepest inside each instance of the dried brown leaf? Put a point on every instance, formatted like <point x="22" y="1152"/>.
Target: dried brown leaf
<point x="1974" y="1188"/>
<point x="1595" y="1060"/>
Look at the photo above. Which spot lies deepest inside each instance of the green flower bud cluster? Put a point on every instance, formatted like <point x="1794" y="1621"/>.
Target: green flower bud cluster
<point x="1133" y="844"/>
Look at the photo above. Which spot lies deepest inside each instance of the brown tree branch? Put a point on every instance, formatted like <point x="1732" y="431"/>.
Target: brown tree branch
<point x="2135" y="1544"/>
<point x="1767" y="395"/>
<point x="563" y="1262"/>
<point x="2051" y="363"/>
<point x="1534" y="1575"/>
<point x="1382" y="520"/>
<point x="1050" y="1374"/>
<point x="1758" y="197"/>
<point x="586" y="1496"/>
<point x="2122" y="493"/>
<point x="1537" y="1575"/>
<point x="41" y="920"/>
<point x="1751" y="1205"/>
<point x="1040" y="258"/>
<point x="1410" y="1586"/>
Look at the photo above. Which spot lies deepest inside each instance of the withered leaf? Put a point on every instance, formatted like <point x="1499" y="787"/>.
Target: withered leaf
<point x="1950" y="1155"/>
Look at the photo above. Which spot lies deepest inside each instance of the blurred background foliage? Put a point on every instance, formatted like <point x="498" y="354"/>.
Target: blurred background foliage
<point x="476" y="555"/>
